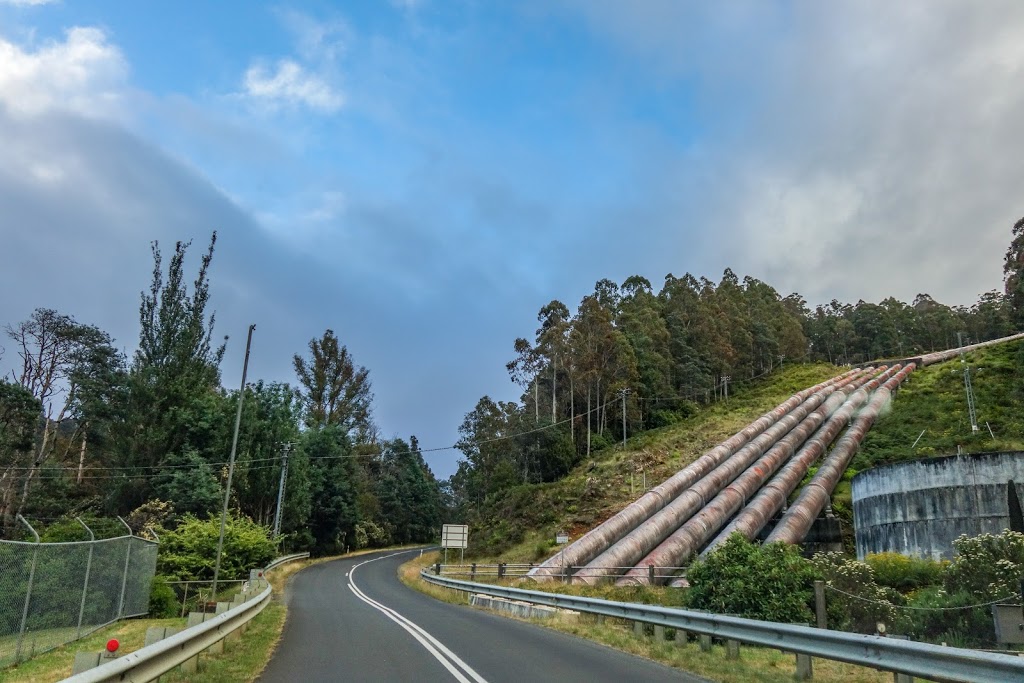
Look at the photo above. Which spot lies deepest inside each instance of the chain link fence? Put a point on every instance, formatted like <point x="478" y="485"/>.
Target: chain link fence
<point x="53" y="593"/>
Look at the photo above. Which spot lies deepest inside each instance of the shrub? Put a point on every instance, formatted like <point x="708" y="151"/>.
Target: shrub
<point x="369" y="534"/>
<point x="904" y="573"/>
<point x="770" y="582"/>
<point x="936" y="619"/>
<point x="989" y="566"/>
<point x="189" y="552"/>
<point x="858" y="603"/>
<point x="163" y="601"/>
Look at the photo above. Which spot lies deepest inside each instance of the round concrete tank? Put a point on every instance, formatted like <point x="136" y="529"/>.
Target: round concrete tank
<point x="919" y="507"/>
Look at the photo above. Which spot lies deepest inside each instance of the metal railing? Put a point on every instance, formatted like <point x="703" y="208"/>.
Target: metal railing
<point x="54" y="593"/>
<point x="924" y="660"/>
<point x="148" y="663"/>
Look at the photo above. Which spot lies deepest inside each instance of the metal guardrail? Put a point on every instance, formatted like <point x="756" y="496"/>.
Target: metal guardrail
<point x="287" y="558"/>
<point x="148" y="663"/>
<point x="888" y="654"/>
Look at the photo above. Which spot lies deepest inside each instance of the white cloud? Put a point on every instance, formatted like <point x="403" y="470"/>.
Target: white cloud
<point x="875" y="153"/>
<point x="290" y="85"/>
<point x="84" y="73"/>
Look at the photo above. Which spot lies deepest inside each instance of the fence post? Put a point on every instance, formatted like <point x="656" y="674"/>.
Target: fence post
<point x="28" y="591"/>
<point x="127" y="559"/>
<point x="650" y="574"/>
<point x="88" y="568"/>
<point x="501" y="570"/>
<point x="472" y="572"/>
<point x="819" y="604"/>
<point x="184" y="600"/>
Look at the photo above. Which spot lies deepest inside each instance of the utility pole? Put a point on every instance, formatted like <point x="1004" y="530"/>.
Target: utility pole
<point x="231" y="464"/>
<point x="285" y="447"/>
<point x="967" y="385"/>
<point x="623" y="394"/>
<point x="725" y="385"/>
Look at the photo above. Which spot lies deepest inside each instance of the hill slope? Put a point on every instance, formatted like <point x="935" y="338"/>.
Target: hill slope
<point x="520" y="524"/>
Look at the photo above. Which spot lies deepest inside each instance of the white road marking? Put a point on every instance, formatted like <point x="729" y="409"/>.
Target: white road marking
<point x="431" y="644"/>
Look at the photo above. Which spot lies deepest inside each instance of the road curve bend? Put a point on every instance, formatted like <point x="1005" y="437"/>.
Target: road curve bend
<point x="352" y="620"/>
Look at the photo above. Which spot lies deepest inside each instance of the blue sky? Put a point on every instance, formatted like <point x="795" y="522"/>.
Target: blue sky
<point x="423" y="176"/>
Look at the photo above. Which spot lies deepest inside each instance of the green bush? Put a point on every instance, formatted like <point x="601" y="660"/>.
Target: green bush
<point x="369" y="534"/>
<point x="905" y="573"/>
<point x="163" y="601"/>
<point x="189" y="552"/>
<point x="770" y="582"/>
<point x="857" y="602"/>
<point x="936" y="619"/>
<point x="989" y="566"/>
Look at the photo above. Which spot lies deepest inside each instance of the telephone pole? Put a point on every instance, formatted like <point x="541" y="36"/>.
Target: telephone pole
<point x="231" y="464"/>
<point x="285" y="447"/>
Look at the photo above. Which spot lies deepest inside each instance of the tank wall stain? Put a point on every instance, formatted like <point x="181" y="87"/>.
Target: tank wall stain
<point x="919" y="507"/>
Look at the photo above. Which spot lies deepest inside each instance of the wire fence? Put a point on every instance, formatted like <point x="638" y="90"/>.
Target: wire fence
<point x="54" y="593"/>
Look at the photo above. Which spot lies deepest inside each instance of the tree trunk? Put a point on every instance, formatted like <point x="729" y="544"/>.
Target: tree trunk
<point x="572" y="409"/>
<point x="81" y="458"/>
<point x="554" y="388"/>
<point x="536" y="402"/>
<point x="588" y="421"/>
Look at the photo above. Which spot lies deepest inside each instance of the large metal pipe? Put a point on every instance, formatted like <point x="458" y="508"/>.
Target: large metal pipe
<point x="797" y="521"/>
<point x="691" y="534"/>
<point x="949" y="354"/>
<point x="597" y="540"/>
<point x="634" y="545"/>
<point x="773" y="495"/>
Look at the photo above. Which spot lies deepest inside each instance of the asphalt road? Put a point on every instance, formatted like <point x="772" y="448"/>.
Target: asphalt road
<point x="353" y="620"/>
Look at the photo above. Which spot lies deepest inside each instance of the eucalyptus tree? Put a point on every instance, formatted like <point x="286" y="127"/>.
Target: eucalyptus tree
<point x="335" y="392"/>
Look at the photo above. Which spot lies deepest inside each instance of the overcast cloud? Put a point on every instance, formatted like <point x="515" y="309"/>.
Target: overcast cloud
<point x="422" y="180"/>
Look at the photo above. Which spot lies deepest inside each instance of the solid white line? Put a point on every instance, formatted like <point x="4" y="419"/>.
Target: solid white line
<point x="429" y="642"/>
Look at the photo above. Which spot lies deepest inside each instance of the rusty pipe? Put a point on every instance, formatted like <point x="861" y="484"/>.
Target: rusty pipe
<point x="625" y="552"/>
<point x="797" y="521"/>
<point x="597" y="540"/>
<point x="694" y="532"/>
<point x="771" y="497"/>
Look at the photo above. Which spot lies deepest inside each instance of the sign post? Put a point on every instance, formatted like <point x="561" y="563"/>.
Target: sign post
<point x="455" y="536"/>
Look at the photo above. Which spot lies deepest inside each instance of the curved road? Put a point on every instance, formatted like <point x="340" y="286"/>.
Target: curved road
<point x="353" y="620"/>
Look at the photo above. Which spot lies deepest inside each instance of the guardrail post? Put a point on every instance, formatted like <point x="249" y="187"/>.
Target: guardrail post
<point x="437" y="569"/>
<point x="501" y="570"/>
<point x="732" y="649"/>
<point x="659" y="633"/>
<point x="472" y="572"/>
<point x="804" y="667"/>
<point x="681" y="637"/>
<point x="902" y="678"/>
<point x="650" y="573"/>
<point x="638" y="629"/>
<point x="28" y="590"/>
<point x="705" y="643"/>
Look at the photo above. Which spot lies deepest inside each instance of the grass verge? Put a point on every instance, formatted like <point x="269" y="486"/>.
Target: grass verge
<point x="754" y="663"/>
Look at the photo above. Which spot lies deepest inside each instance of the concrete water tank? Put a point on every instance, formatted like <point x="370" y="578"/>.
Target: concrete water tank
<point x="919" y="507"/>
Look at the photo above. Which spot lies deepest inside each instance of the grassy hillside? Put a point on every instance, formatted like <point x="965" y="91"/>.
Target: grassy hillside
<point x="520" y="524"/>
<point x="933" y="400"/>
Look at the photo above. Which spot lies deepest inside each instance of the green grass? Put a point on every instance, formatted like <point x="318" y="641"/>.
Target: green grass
<point x="933" y="400"/>
<point x="56" y="664"/>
